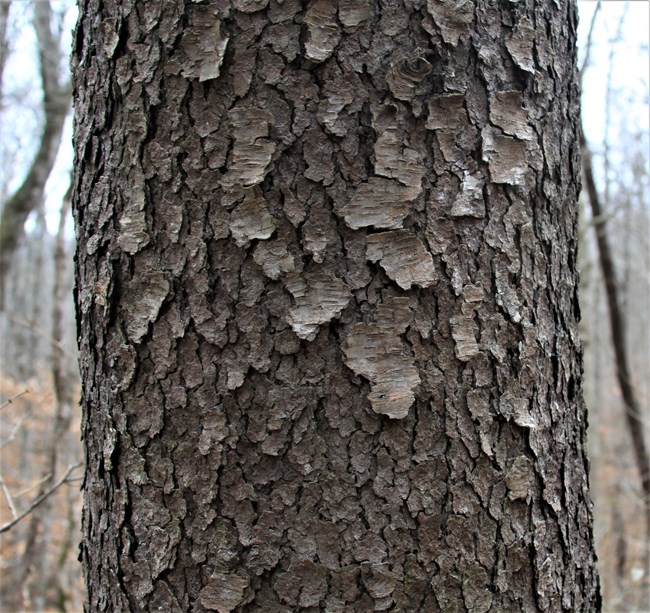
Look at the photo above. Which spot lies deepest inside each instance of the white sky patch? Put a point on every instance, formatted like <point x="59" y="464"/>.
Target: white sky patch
<point x="625" y="57"/>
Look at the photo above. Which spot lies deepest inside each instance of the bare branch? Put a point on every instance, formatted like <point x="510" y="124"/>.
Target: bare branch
<point x="44" y="479"/>
<point x="8" y="496"/>
<point x="63" y="479"/>
<point x="9" y="401"/>
<point x="38" y="331"/>
<point x="585" y="63"/>
<point x="24" y="417"/>
<point x="5" y="7"/>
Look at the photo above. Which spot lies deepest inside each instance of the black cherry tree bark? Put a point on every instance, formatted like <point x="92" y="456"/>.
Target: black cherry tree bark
<point x="327" y="306"/>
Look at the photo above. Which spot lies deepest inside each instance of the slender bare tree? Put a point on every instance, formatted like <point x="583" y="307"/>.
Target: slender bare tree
<point x="634" y="420"/>
<point x="56" y="106"/>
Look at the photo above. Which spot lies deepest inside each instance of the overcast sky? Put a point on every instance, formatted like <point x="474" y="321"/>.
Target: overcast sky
<point x="619" y="54"/>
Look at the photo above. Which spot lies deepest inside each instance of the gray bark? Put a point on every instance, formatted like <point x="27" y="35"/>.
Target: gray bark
<point x="327" y="307"/>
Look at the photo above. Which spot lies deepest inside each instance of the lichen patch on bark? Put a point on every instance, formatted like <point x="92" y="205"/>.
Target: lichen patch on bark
<point x="274" y="258"/>
<point x="393" y="158"/>
<point x="507" y="112"/>
<point x="251" y="218"/>
<point x="506" y="157"/>
<point x="469" y="201"/>
<point x="354" y="12"/>
<point x="318" y="297"/>
<point x="252" y="150"/>
<point x="202" y="46"/>
<point x="407" y="76"/>
<point x="223" y="592"/>
<point x="376" y="352"/>
<point x="380" y="202"/>
<point x="133" y="220"/>
<point x="403" y="256"/>
<point x="452" y="17"/>
<point x="143" y="300"/>
<point x="323" y="30"/>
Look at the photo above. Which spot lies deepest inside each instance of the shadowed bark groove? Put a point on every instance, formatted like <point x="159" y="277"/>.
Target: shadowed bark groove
<point x="245" y="304"/>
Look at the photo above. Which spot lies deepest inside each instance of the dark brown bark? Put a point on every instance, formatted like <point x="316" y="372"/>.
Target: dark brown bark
<point x="327" y="307"/>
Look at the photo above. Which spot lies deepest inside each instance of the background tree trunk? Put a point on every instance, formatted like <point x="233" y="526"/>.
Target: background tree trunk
<point x="56" y="105"/>
<point x="634" y="419"/>
<point x="327" y="307"/>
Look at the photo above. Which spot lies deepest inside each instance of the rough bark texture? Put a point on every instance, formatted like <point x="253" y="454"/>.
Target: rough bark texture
<point x="327" y="306"/>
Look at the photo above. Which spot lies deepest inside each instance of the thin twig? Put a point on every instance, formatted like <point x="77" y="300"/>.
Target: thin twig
<point x="9" y="401"/>
<point x="8" y="496"/>
<point x="39" y="332"/>
<point x="10" y="524"/>
<point x="585" y="63"/>
<point x="33" y="486"/>
<point x="23" y="418"/>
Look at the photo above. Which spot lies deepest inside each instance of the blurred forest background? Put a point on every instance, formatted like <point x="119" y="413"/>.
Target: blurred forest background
<point x="40" y="450"/>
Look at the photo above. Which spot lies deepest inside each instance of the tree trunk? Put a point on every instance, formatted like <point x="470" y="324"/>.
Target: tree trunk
<point x="5" y="7"/>
<point x="634" y="419"/>
<point x="56" y="106"/>
<point x="40" y="580"/>
<point x="327" y="307"/>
